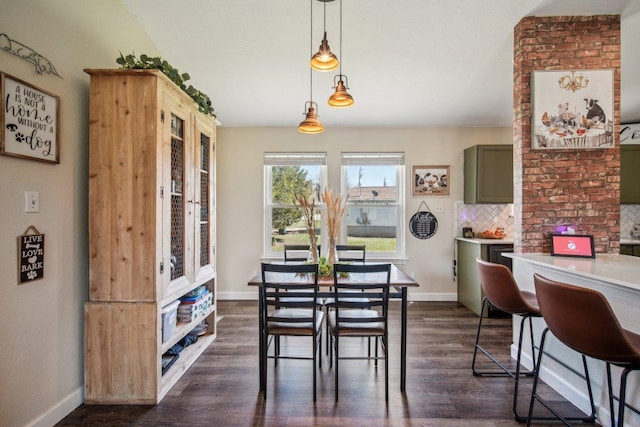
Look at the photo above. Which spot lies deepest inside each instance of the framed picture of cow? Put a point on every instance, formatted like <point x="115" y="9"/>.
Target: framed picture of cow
<point x="572" y="110"/>
<point x="430" y="180"/>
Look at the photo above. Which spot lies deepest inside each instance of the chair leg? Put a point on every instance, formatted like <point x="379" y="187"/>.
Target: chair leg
<point x="610" y="387"/>
<point x="318" y="338"/>
<point x="622" y="396"/>
<point x="375" y="352"/>
<point x="534" y="397"/>
<point x="503" y="370"/>
<point x="315" y="350"/>
<point x="386" y="365"/>
<point x="518" y="372"/>
<point x="336" y="348"/>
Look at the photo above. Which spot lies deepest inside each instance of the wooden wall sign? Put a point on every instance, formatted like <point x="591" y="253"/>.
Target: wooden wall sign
<point x="29" y="120"/>
<point x="30" y="255"/>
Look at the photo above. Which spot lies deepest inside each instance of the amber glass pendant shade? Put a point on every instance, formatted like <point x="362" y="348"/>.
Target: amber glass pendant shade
<point x="340" y="98"/>
<point x="324" y="59"/>
<point x="311" y="124"/>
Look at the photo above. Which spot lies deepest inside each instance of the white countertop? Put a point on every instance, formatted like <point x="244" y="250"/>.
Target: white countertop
<point x="505" y="241"/>
<point x="630" y="241"/>
<point x="623" y="270"/>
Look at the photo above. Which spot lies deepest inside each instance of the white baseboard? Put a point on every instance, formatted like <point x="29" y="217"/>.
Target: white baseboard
<point x="252" y="295"/>
<point x="60" y="410"/>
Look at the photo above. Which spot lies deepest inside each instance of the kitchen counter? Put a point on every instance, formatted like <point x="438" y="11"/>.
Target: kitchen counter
<point x="470" y="292"/>
<point x="617" y="277"/>
<point x="630" y="241"/>
<point x="621" y="270"/>
<point x="505" y="241"/>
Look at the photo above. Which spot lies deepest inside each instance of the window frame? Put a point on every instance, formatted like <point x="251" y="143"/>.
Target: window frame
<point x="271" y="159"/>
<point x="396" y="159"/>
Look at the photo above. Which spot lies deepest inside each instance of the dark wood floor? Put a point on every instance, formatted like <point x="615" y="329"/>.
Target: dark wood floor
<point x="221" y="388"/>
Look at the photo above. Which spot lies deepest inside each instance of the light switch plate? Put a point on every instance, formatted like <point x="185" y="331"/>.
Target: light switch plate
<point x="32" y="201"/>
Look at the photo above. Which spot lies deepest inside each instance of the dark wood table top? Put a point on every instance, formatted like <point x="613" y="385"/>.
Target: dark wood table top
<point x="398" y="278"/>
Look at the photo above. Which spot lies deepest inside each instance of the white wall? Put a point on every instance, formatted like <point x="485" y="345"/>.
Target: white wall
<point x="240" y="200"/>
<point x="41" y="324"/>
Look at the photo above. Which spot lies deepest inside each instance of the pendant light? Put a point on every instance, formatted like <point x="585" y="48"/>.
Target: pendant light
<point x="340" y="98"/>
<point x="324" y="59"/>
<point x="311" y="124"/>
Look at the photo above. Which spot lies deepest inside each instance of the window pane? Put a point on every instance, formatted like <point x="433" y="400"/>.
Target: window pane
<point x="373" y="226"/>
<point x="372" y="183"/>
<point x="286" y="224"/>
<point x="289" y="181"/>
<point x="288" y="227"/>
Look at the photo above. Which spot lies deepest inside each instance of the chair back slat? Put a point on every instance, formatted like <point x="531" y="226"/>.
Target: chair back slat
<point x="297" y="253"/>
<point x="360" y="286"/>
<point x="289" y="286"/>
<point x="355" y="253"/>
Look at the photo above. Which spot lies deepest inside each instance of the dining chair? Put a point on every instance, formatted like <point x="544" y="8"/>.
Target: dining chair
<point x="297" y="315"/>
<point x="583" y="320"/>
<point x="351" y="252"/>
<point x="353" y="317"/>
<point x="297" y="252"/>
<point x="347" y="253"/>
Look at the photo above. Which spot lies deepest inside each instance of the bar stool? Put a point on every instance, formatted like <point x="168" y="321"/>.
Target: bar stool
<point x="501" y="290"/>
<point x="583" y="320"/>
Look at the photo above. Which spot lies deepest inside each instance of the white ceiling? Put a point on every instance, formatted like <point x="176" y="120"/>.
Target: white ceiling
<point x="410" y="63"/>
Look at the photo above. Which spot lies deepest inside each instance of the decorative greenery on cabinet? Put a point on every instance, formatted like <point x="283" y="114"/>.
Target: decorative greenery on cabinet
<point x="130" y="62"/>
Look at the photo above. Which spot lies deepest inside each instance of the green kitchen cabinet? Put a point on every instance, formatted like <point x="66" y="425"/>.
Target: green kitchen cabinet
<point x="630" y="174"/>
<point x="633" y="250"/>
<point x="488" y="174"/>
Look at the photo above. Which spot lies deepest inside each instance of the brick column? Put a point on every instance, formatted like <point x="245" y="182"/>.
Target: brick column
<point x="564" y="187"/>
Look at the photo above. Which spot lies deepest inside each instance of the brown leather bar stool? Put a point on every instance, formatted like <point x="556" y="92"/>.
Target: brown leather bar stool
<point x="501" y="291"/>
<point x="583" y="320"/>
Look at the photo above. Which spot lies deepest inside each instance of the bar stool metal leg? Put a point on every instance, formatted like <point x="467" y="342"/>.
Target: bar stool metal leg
<point x="505" y="372"/>
<point x="534" y="396"/>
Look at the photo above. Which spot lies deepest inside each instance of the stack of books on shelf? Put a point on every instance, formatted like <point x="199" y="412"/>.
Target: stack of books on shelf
<point x="194" y="304"/>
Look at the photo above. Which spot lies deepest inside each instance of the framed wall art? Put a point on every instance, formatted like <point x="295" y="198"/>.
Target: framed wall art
<point x="430" y="180"/>
<point x="29" y="121"/>
<point x="572" y="109"/>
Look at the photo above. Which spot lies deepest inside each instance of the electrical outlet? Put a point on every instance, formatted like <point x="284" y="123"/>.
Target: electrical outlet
<point x="31" y="201"/>
<point x="438" y="209"/>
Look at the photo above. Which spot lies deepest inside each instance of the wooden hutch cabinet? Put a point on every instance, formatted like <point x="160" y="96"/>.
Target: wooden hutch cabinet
<point x="151" y="233"/>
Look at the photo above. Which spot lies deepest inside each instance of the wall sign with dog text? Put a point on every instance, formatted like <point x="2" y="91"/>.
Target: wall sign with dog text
<point x="30" y="255"/>
<point x="29" y="120"/>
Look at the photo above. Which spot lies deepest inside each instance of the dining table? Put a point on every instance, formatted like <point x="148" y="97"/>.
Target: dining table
<point x="399" y="284"/>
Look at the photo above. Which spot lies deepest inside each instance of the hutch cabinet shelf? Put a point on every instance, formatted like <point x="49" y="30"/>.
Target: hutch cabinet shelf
<point x="151" y="234"/>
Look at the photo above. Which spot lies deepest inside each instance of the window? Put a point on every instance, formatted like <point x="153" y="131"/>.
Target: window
<point x="287" y="175"/>
<point x="375" y="206"/>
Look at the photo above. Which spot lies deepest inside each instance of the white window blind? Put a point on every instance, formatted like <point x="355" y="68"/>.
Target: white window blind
<point x="373" y="159"/>
<point x="286" y="159"/>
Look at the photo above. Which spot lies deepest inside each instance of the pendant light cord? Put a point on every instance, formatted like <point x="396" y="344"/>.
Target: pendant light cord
<point x="311" y="51"/>
<point x="340" y="37"/>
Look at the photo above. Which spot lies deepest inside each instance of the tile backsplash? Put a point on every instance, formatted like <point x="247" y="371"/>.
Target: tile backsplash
<point x="489" y="217"/>
<point x="482" y="217"/>
<point x="629" y="215"/>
